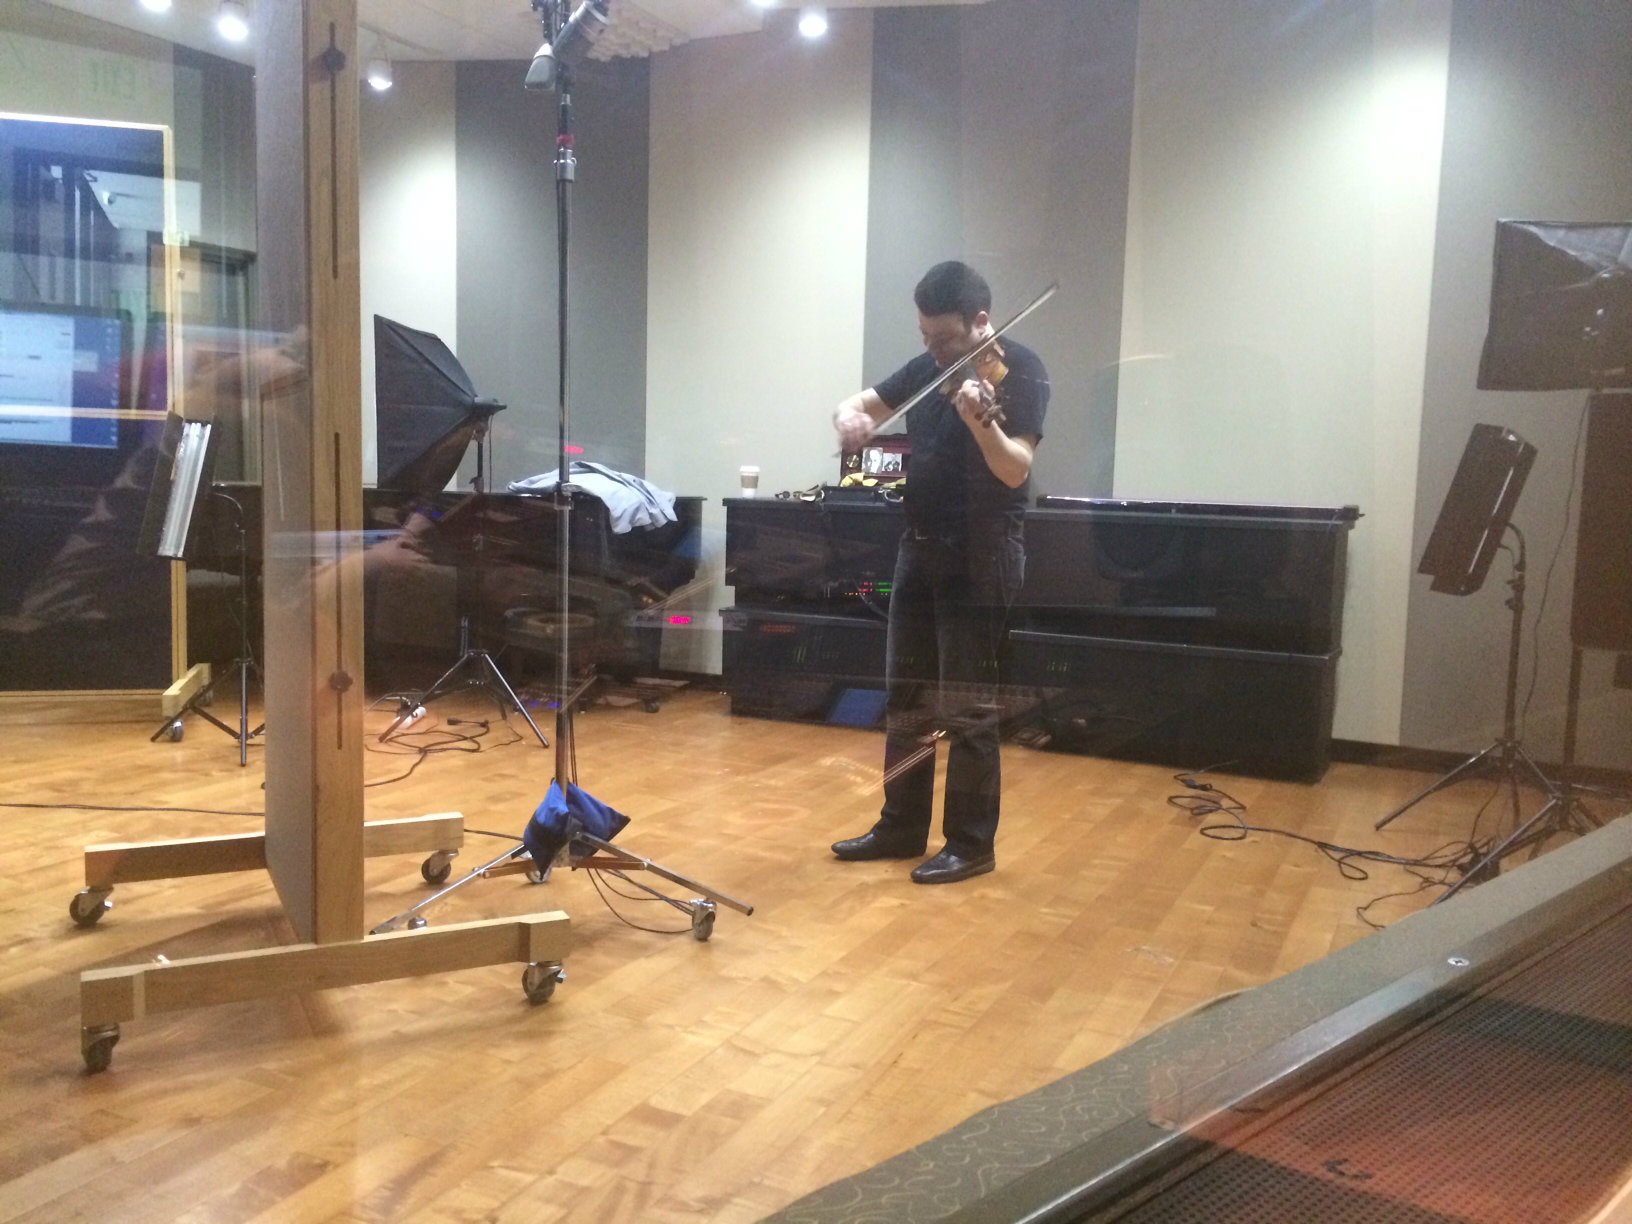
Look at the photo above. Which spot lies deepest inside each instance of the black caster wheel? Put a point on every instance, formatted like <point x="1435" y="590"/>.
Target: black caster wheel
<point x="96" y="1044"/>
<point x="650" y="705"/>
<point x="539" y="980"/>
<point x="437" y="868"/>
<point x="174" y="732"/>
<point x="88" y="906"/>
<point x="702" y="920"/>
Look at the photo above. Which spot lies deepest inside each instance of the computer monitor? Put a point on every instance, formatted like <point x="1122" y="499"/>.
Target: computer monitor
<point x="63" y="375"/>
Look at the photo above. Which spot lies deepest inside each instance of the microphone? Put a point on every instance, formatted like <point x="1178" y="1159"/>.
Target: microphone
<point x="587" y="23"/>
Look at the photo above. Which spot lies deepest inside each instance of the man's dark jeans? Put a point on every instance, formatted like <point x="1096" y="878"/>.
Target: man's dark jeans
<point x="948" y="612"/>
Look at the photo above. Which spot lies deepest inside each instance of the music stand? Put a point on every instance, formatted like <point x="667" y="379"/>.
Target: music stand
<point x="427" y="414"/>
<point x="169" y="529"/>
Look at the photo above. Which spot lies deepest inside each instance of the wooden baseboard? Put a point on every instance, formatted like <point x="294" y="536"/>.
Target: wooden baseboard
<point x="81" y="705"/>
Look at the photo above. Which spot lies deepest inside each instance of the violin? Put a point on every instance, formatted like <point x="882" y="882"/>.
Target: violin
<point x="974" y="357"/>
<point x="991" y="371"/>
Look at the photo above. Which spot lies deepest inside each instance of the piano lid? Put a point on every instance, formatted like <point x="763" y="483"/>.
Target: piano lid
<point x="1253" y="510"/>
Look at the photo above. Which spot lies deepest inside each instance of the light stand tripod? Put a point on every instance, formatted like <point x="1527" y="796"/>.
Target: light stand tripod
<point x="1562" y="813"/>
<point x="1505" y="757"/>
<point x="172" y="727"/>
<point x="486" y="674"/>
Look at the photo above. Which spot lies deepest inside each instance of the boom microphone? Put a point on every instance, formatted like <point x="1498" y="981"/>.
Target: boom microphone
<point x="587" y="23"/>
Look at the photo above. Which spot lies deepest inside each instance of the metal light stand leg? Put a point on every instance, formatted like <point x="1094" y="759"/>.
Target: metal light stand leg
<point x="1577" y="816"/>
<point x="1564" y="812"/>
<point x="412" y="918"/>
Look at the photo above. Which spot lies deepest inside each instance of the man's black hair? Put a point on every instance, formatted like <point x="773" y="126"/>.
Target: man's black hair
<point x="953" y="288"/>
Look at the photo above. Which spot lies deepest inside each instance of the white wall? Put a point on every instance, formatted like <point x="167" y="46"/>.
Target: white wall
<point x="409" y="210"/>
<point x="758" y="241"/>
<point x="1281" y="223"/>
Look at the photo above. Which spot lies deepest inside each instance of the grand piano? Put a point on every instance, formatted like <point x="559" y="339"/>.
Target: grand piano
<point x="1194" y="634"/>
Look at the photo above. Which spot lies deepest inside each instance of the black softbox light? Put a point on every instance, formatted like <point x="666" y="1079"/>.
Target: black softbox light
<point x="426" y="410"/>
<point x="1560" y="307"/>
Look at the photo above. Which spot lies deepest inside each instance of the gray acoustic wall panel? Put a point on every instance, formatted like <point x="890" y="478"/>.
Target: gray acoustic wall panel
<point x="1001" y="137"/>
<point x="508" y="275"/>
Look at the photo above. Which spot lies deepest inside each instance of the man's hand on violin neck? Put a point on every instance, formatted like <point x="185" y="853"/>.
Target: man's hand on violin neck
<point x="976" y="400"/>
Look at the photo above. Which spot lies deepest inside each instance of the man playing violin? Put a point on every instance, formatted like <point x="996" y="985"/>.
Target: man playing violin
<point x="957" y="573"/>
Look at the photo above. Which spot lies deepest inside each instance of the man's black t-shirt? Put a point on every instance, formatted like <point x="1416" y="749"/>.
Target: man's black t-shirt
<point x="949" y="488"/>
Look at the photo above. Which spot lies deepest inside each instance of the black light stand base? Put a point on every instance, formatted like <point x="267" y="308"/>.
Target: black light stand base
<point x="1505" y="757"/>
<point x="488" y="678"/>
<point x="1562" y="813"/>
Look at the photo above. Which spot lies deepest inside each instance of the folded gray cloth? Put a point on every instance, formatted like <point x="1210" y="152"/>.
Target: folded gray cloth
<point x="630" y="501"/>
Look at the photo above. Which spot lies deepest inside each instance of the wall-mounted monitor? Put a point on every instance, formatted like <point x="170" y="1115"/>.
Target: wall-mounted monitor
<point x="63" y="375"/>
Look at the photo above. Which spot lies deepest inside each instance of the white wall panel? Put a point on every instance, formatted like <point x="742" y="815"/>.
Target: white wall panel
<point x="409" y="210"/>
<point x="1282" y="209"/>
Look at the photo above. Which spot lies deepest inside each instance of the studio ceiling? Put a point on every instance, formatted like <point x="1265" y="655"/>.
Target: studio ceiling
<point x="479" y="29"/>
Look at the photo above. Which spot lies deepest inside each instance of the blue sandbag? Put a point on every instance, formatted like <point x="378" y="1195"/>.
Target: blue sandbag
<point x="562" y="816"/>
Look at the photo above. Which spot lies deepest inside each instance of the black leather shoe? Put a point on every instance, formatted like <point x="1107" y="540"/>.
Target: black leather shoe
<point x="949" y="868"/>
<point x="872" y="846"/>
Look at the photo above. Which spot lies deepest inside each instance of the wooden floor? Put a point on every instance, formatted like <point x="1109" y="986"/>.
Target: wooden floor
<point x="853" y="1015"/>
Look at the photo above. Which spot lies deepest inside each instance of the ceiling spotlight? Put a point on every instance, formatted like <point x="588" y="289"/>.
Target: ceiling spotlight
<point x="812" y="22"/>
<point x="232" y="21"/>
<point x="378" y="73"/>
<point x="156" y="6"/>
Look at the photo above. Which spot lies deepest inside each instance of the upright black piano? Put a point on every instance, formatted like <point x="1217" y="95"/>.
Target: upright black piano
<point x="1194" y="634"/>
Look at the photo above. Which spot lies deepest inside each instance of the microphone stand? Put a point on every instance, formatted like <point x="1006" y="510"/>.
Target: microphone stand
<point x="615" y="860"/>
<point x="566" y="171"/>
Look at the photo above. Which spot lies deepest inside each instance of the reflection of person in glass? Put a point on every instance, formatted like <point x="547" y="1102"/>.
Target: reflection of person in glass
<point x="959" y="568"/>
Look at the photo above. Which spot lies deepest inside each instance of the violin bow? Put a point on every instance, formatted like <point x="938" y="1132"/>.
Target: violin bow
<point x="968" y="358"/>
